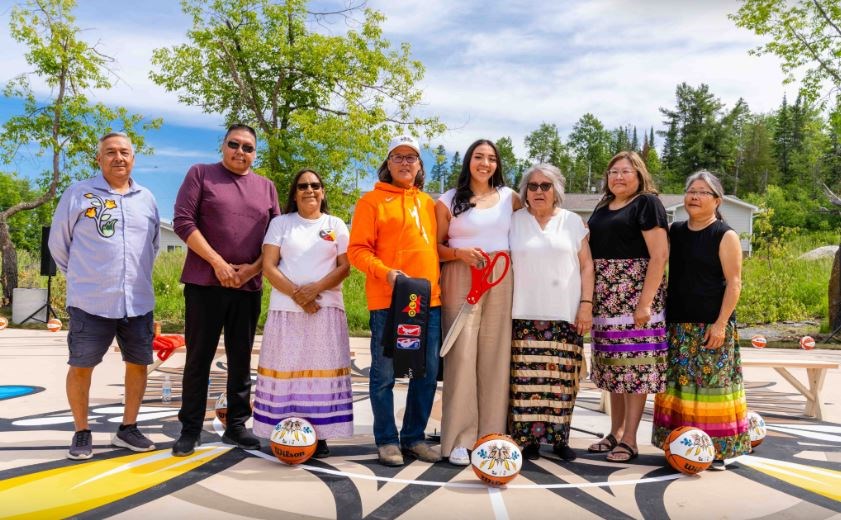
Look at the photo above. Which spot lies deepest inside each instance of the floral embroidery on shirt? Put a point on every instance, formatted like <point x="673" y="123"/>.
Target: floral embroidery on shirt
<point x="99" y="212"/>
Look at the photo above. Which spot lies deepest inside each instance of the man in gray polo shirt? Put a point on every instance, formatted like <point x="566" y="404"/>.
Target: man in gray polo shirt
<point x="104" y="238"/>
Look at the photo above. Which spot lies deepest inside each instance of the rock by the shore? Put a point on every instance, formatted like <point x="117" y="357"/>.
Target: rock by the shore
<point x="818" y="253"/>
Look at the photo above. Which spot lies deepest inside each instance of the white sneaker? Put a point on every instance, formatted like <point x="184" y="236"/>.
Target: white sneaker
<point x="459" y="457"/>
<point x="719" y="465"/>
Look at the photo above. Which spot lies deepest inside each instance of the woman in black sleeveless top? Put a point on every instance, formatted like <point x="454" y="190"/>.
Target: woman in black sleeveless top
<point x="704" y="376"/>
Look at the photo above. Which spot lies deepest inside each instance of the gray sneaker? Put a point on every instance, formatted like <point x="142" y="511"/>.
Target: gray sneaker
<point x="131" y="438"/>
<point x="82" y="446"/>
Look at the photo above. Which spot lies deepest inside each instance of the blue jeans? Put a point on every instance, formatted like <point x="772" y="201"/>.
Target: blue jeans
<point x="421" y="391"/>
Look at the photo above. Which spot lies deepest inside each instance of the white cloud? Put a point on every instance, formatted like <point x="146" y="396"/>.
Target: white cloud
<point x="496" y="68"/>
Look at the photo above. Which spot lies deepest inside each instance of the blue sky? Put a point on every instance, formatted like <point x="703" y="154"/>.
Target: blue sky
<point x="493" y="69"/>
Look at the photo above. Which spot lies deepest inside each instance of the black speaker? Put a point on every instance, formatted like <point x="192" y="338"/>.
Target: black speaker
<point x="47" y="263"/>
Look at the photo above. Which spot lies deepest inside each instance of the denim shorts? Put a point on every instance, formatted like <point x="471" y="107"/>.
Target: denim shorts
<point x="91" y="335"/>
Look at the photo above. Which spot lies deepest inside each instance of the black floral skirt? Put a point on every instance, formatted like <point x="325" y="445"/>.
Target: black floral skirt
<point x="546" y="358"/>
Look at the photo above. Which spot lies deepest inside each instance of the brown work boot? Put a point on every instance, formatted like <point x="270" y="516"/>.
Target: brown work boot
<point x="389" y="455"/>
<point x="422" y="451"/>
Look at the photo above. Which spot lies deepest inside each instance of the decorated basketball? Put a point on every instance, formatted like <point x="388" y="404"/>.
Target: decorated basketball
<point x="758" y="341"/>
<point x="756" y="429"/>
<point x="807" y="342"/>
<point x="221" y="408"/>
<point x="3" y="322"/>
<point x="293" y="440"/>
<point x="496" y="459"/>
<point x="689" y="450"/>
<point x="54" y="325"/>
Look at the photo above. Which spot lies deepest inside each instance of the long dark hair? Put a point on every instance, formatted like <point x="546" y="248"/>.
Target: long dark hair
<point x="292" y="204"/>
<point x="461" y="201"/>
<point x="646" y="184"/>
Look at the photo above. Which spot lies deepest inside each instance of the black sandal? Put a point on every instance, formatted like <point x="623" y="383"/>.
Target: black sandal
<point x="606" y="444"/>
<point x="625" y="450"/>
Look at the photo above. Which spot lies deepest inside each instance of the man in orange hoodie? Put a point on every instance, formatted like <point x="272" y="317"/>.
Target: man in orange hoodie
<point x="393" y="233"/>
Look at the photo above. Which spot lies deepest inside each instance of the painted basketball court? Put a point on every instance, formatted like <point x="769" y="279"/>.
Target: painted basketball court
<point x="795" y="473"/>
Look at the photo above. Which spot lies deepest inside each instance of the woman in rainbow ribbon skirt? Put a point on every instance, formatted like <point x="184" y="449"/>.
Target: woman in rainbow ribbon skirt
<point x="704" y="385"/>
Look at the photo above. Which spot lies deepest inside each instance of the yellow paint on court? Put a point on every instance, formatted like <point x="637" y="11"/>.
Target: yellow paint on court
<point x="70" y="490"/>
<point x="826" y="482"/>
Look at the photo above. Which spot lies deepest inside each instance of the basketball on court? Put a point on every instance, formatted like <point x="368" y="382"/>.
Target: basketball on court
<point x="807" y="342"/>
<point x="689" y="450"/>
<point x="496" y="459"/>
<point x="221" y="408"/>
<point x="3" y="322"/>
<point x="54" y="325"/>
<point x="293" y="440"/>
<point x="756" y="429"/>
<point x="758" y="341"/>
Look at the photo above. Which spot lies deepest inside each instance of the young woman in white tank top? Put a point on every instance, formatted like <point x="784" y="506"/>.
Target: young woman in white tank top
<point x="475" y="218"/>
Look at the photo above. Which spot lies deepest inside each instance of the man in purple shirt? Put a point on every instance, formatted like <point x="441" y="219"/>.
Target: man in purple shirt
<point x="104" y="237"/>
<point x="222" y="212"/>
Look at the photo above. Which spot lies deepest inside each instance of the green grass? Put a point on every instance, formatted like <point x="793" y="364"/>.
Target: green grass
<point x="786" y="288"/>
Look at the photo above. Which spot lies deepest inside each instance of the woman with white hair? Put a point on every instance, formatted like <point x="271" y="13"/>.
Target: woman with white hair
<point x="552" y="310"/>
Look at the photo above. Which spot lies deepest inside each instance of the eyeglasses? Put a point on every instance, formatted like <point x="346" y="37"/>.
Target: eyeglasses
<point x="408" y="159"/>
<point x="246" y="148"/>
<point x="544" y="186"/>
<point x="699" y="194"/>
<point x="623" y="173"/>
<point x="314" y="186"/>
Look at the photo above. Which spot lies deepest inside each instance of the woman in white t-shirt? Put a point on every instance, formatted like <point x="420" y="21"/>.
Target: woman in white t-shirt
<point x="553" y="309"/>
<point x="304" y="367"/>
<point x="472" y="218"/>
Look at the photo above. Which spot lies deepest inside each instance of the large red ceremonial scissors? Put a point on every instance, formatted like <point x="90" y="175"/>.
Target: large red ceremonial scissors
<point x="480" y="283"/>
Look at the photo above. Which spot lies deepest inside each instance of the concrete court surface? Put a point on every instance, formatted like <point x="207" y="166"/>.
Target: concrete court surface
<point x="795" y="473"/>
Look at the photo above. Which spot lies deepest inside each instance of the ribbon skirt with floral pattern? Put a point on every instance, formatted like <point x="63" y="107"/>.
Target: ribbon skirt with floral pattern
<point x="627" y="359"/>
<point x="704" y="389"/>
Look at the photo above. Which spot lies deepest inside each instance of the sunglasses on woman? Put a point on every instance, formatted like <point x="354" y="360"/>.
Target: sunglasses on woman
<point x="246" y="148"/>
<point x="314" y="186"/>
<point x="544" y="186"/>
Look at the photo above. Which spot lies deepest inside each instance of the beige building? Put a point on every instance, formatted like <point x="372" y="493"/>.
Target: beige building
<point x="169" y="241"/>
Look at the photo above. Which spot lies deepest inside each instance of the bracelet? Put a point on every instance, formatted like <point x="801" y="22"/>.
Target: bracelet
<point x="586" y="301"/>
<point x="455" y="253"/>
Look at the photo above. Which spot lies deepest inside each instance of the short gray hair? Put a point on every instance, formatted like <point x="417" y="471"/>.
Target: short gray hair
<point x="711" y="181"/>
<point x="109" y="135"/>
<point x="554" y="174"/>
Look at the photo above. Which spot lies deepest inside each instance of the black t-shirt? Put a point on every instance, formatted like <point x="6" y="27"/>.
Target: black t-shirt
<point x="696" y="278"/>
<point x="617" y="234"/>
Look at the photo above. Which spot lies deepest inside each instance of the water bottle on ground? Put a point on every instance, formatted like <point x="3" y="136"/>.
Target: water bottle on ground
<point x="166" y="391"/>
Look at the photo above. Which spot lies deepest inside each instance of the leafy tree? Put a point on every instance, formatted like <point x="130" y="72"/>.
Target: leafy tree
<point x="758" y="163"/>
<point x="701" y="133"/>
<point x="832" y="151"/>
<point x="512" y="167"/>
<point x="455" y="170"/>
<point x="439" y="170"/>
<point x="24" y="226"/>
<point x="64" y="125"/>
<point x="590" y="143"/>
<point x="329" y="102"/>
<point x="804" y="34"/>
<point x="544" y="145"/>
